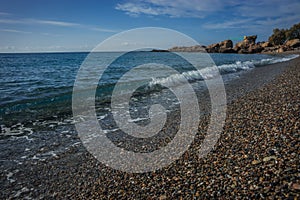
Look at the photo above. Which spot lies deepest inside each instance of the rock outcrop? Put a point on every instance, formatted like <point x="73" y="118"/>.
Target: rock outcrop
<point x="221" y="47"/>
<point x="250" y="39"/>
<point x="293" y="43"/>
<point x="265" y="44"/>
<point x="255" y="48"/>
<point x="227" y="50"/>
<point x="226" y="44"/>
<point x="247" y="46"/>
<point x="287" y="46"/>
<point x="246" y="43"/>
<point x="213" y="48"/>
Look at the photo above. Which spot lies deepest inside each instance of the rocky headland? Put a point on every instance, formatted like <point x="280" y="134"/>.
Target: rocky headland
<point x="247" y="46"/>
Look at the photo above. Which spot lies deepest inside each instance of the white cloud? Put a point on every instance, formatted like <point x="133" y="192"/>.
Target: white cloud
<point x="37" y="21"/>
<point x="134" y="10"/>
<point x="287" y="21"/>
<point x="172" y="8"/>
<point x="259" y="14"/>
<point x="14" y="31"/>
<point x="51" y="34"/>
<point x="228" y="14"/>
<point x="11" y="21"/>
<point x="4" y="13"/>
<point x="103" y="30"/>
<point x="227" y="24"/>
<point x="255" y="23"/>
<point x="267" y="8"/>
<point x="55" y="23"/>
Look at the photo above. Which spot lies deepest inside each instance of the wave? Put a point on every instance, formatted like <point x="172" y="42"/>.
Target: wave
<point x="58" y="99"/>
<point x="208" y="72"/>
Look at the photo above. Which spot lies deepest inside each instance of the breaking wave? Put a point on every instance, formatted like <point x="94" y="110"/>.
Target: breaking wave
<point x="207" y="73"/>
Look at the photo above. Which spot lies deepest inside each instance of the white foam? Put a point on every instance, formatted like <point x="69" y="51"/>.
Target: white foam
<point x="9" y="177"/>
<point x="76" y="144"/>
<point x="50" y="154"/>
<point x="177" y="79"/>
<point x="209" y="72"/>
<point x="16" y="130"/>
<point x="137" y="119"/>
<point x="65" y="132"/>
<point x="275" y="60"/>
<point x="101" y="117"/>
<point x="23" y="190"/>
<point x="237" y="66"/>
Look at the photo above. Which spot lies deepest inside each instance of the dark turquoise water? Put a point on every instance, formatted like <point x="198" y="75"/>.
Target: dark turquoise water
<point x="36" y="120"/>
<point x="40" y="84"/>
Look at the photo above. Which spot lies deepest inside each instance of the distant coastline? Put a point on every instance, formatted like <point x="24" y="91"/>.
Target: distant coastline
<point x="281" y="41"/>
<point x="247" y="46"/>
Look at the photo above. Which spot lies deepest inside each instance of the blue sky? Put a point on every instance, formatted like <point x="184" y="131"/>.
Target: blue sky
<point x="61" y="25"/>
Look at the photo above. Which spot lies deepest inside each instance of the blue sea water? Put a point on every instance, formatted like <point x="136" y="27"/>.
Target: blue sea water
<point x="36" y="120"/>
<point x="41" y="83"/>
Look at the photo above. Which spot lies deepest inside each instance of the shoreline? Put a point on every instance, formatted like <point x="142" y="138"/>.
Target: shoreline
<point x="255" y="157"/>
<point x="19" y="109"/>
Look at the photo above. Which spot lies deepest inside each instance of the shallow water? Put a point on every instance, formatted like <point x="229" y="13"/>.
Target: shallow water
<point x="40" y="85"/>
<point x="36" y="91"/>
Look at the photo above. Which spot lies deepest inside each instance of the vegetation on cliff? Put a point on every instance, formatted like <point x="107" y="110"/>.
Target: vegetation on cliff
<point x="280" y="36"/>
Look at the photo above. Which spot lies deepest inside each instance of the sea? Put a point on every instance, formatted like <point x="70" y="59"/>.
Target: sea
<point x="36" y="93"/>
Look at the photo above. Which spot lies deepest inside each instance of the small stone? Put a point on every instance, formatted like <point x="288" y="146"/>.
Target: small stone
<point x="162" y="197"/>
<point x="255" y="162"/>
<point x="23" y="190"/>
<point x="296" y="186"/>
<point x="261" y="179"/>
<point x="266" y="159"/>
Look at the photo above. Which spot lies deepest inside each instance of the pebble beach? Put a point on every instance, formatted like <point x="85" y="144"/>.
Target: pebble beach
<point x="256" y="157"/>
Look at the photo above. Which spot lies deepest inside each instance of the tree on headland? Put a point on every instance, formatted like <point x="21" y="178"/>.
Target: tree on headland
<point x="280" y="36"/>
<point x="293" y="32"/>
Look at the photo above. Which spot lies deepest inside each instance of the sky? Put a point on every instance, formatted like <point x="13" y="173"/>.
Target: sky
<point x="65" y="25"/>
